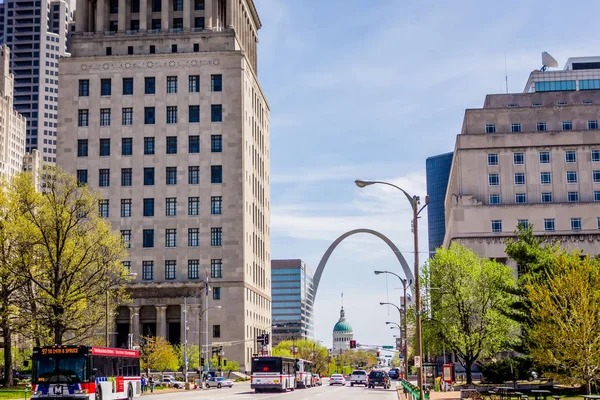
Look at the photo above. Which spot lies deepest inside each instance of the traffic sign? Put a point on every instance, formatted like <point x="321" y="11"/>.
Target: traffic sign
<point x="387" y="347"/>
<point x="417" y="362"/>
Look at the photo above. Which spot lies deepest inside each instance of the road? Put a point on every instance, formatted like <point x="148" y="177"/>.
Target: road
<point x="241" y="391"/>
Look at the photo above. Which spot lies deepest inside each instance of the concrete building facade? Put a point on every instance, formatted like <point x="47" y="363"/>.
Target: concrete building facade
<point x="437" y="173"/>
<point x="162" y="112"/>
<point x="292" y="300"/>
<point x="12" y="124"/>
<point x="37" y="32"/>
<point x="529" y="158"/>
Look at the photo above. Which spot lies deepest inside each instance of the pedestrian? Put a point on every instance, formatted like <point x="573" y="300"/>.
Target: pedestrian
<point x="144" y="383"/>
<point x="151" y="382"/>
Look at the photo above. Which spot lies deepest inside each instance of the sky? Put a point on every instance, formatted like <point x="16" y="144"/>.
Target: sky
<point x="370" y="89"/>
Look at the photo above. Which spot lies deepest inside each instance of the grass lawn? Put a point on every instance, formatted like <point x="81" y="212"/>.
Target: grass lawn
<point x="8" y="394"/>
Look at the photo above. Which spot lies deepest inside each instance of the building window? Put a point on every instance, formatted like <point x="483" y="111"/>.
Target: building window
<point x="126" y="146"/>
<point x="104" y="147"/>
<point x="125" y="208"/>
<point x="216" y="205"/>
<point x="544" y="157"/>
<point x="105" y="117"/>
<point x="126" y="176"/>
<point x="148" y="207"/>
<point x="596" y="195"/>
<point x="198" y="24"/>
<point x="493" y="179"/>
<point x="520" y="198"/>
<point x="127" y="266"/>
<point x="148" y="176"/>
<point x="216" y="143"/>
<point x="171" y="84"/>
<point x="546" y="197"/>
<point x="171" y="178"/>
<point x="598" y="223"/>
<point x="216" y="113"/>
<point x="540" y="127"/>
<point x="545" y="178"/>
<point x="496" y="225"/>
<point x="518" y="158"/>
<point x="174" y="46"/>
<point x="494" y="199"/>
<point x="519" y="178"/>
<point x="573" y="197"/>
<point x="148" y="238"/>
<point x="194" y="114"/>
<point x="152" y="49"/>
<point x="549" y="224"/>
<point x="83" y="118"/>
<point x="216" y="293"/>
<point x="571" y="176"/>
<point x="104" y="178"/>
<point x="570" y="156"/>
<point x="82" y="148"/>
<point x="515" y="128"/>
<point x="554" y="86"/>
<point x="127" y="116"/>
<point x="170" y="267"/>
<point x="595" y="155"/>
<point x="149" y="115"/>
<point x="216" y="83"/>
<point x="194" y="175"/>
<point x="149" y="85"/>
<point x="105" y="87"/>
<point x="171" y="207"/>
<point x="198" y="5"/>
<point x="492" y="159"/>
<point x="147" y="270"/>
<point x="593" y="124"/>
<point x="490" y="128"/>
<point x="193" y="205"/>
<point x="216" y="331"/>
<point x="82" y="177"/>
<point x="216" y="268"/>
<point x="177" y="5"/>
<point x="596" y="176"/>
<point x="194" y="83"/>
<point x="171" y="144"/>
<point x="193" y="269"/>
<point x="84" y="87"/>
<point x="171" y="238"/>
<point x="193" y="237"/>
<point x="194" y="144"/>
<point x="127" y="86"/>
<point x="216" y="174"/>
<point x="103" y="208"/>
<point x="567" y="126"/>
<point x="148" y="145"/>
<point x="216" y="236"/>
<point x="524" y="223"/>
<point x="126" y="238"/>
<point x="171" y="114"/>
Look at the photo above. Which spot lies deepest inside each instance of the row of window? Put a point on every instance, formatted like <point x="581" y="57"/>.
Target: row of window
<point x="216" y="176"/>
<point x="519" y="158"/>
<point x="546" y="197"/>
<point x="216" y="269"/>
<point x="216" y="115"/>
<point x="216" y="145"/>
<point x="216" y="237"/>
<point x="216" y="206"/>
<point x="568" y="85"/>
<point x="545" y="178"/>
<point x="549" y="224"/>
<point x="216" y="85"/>
<point x="540" y="126"/>
<point x="156" y="6"/>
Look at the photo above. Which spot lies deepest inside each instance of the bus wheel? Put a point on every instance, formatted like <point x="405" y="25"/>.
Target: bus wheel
<point x="130" y="393"/>
<point x="98" y="392"/>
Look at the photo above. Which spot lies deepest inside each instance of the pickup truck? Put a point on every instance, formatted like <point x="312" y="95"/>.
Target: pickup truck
<point x="359" y="377"/>
<point x="379" y="378"/>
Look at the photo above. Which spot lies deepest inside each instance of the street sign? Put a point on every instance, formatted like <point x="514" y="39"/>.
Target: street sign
<point x="387" y="347"/>
<point x="417" y="362"/>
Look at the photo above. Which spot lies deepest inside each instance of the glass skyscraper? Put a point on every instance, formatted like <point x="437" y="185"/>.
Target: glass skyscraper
<point x="292" y="300"/>
<point x="438" y="173"/>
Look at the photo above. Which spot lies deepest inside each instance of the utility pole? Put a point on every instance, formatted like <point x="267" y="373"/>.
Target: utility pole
<point x="419" y="352"/>
<point x="107" y="312"/>
<point x="405" y="345"/>
<point x="185" y="357"/>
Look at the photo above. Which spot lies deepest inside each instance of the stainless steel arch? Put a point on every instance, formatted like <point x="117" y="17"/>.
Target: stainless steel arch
<point x="317" y="278"/>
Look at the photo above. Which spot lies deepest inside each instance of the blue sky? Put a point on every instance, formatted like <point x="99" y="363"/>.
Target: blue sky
<point x="370" y="89"/>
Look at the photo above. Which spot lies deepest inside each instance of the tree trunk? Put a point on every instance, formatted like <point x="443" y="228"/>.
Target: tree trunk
<point x="588" y="387"/>
<point x="58" y="334"/>
<point x="8" y="375"/>
<point x="468" y="365"/>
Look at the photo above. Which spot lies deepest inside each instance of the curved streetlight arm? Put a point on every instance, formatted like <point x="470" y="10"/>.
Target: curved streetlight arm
<point x="209" y="308"/>
<point x="361" y="184"/>
<point x="391" y="304"/>
<point x="393" y="323"/>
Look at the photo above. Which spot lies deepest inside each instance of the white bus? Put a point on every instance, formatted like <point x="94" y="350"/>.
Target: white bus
<point x="304" y="374"/>
<point x="273" y="373"/>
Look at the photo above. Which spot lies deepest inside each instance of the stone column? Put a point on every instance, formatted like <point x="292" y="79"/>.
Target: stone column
<point x="161" y="321"/>
<point x="229" y="14"/>
<point x="100" y="28"/>
<point x="208" y="12"/>
<point x="127" y="15"/>
<point x="187" y="15"/>
<point x="164" y="14"/>
<point x="135" y="322"/>
<point x="143" y="15"/>
<point x="81" y="16"/>
<point x="121" y="16"/>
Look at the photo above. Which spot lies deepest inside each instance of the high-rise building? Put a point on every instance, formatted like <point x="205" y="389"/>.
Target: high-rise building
<point x="162" y="112"/>
<point x="293" y="297"/>
<point x="12" y="124"/>
<point x="36" y="32"/>
<point x="530" y="158"/>
<point x="438" y="172"/>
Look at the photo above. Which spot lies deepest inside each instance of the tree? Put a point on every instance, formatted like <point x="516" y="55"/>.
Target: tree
<point x="565" y="313"/>
<point x="231" y="365"/>
<point x="468" y="303"/>
<point x="193" y="354"/>
<point x="70" y="256"/>
<point x="157" y="354"/>
<point x="306" y="349"/>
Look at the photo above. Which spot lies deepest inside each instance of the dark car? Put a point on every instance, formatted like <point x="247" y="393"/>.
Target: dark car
<point x="379" y="378"/>
<point x="394" y="373"/>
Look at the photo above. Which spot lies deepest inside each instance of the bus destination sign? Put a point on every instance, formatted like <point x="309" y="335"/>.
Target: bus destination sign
<point x="50" y="351"/>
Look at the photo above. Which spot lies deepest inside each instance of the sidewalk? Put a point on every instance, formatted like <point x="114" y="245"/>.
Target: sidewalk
<point x="444" y="395"/>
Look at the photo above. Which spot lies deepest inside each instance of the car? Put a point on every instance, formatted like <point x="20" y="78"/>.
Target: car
<point x="379" y="378"/>
<point x="171" y="382"/>
<point x="337" y="379"/>
<point x="394" y="373"/>
<point x="219" y="382"/>
<point x="317" y="380"/>
<point x="358" y="377"/>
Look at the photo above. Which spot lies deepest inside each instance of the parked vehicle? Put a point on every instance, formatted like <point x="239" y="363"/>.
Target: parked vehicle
<point x="358" y="377"/>
<point x="317" y="380"/>
<point x="337" y="379"/>
<point x="171" y="382"/>
<point x="379" y="378"/>
<point x="394" y="373"/>
<point x="219" y="382"/>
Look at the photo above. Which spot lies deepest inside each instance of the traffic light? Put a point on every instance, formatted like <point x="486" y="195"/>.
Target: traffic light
<point x="202" y="361"/>
<point x="266" y="339"/>
<point x="378" y="353"/>
<point x="353" y="344"/>
<point x="219" y="361"/>
<point x="224" y="362"/>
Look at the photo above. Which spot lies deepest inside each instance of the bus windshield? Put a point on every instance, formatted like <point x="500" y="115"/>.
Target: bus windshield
<point x="59" y="370"/>
<point x="266" y="365"/>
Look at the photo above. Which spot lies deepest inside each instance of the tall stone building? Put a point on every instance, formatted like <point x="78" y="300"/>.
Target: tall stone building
<point x="36" y="32"/>
<point x="162" y="112"/>
<point x="12" y="124"/>
<point x="530" y="158"/>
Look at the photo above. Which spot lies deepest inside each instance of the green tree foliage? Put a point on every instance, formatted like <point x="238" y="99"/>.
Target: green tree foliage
<point x="507" y="369"/>
<point x="193" y="353"/>
<point x="565" y="314"/>
<point x="157" y="354"/>
<point x="468" y="313"/>
<point x="229" y="368"/>
<point x="305" y="349"/>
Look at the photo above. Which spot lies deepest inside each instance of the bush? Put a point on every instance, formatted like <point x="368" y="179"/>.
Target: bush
<point x="507" y="369"/>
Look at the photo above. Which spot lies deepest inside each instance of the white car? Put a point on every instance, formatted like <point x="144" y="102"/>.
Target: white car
<point x="337" y="379"/>
<point x="219" y="382"/>
<point x="358" y="377"/>
<point x="171" y="382"/>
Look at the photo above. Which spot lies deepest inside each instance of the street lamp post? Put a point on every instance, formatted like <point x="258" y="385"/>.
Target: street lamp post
<point x="402" y="346"/>
<point x="414" y="202"/>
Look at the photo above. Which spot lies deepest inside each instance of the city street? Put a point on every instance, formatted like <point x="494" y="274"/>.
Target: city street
<point x="242" y="391"/>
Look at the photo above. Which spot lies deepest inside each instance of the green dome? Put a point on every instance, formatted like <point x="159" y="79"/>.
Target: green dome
<point x="342" y="326"/>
